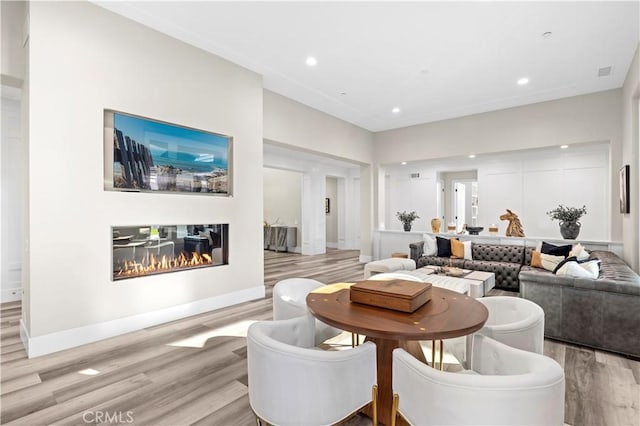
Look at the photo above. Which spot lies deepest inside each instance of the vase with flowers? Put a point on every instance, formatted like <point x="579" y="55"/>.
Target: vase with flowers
<point x="569" y="220"/>
<point x="407" y="219"/>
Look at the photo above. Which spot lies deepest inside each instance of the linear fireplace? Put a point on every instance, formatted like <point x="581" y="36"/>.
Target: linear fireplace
<point x="158" y="249"/>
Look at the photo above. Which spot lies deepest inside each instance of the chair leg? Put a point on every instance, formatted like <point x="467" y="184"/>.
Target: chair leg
<point x="433" y="353"/>
<point x="394" y="409"/>
<point x="374" y="402"/>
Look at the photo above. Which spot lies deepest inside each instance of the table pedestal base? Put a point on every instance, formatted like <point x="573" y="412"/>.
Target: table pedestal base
<point x="385" y="356"/>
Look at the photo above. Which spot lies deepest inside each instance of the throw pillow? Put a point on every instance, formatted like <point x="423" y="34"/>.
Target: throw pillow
<point x="555" y="250"/>
<point x="592" y="266"/>
<point x="579" y="252"/>
<point x="536" y="261"/>
<point x="574" y="269"/>
<point x="549" y="261"/>
<point x="457" y="249"/>
<point x="444" y="247"/>
<point x="467" y="250"/>
<point x="545" y="261"/>
<point x="430" y="245"/>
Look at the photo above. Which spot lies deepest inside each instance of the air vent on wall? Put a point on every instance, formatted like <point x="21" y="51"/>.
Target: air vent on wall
<point x="604" y="71"/>
<point x="414" y="175"/>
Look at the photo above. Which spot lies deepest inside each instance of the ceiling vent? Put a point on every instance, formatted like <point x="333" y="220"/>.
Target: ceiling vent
<point x="415" y="175"/>
<point x="604" y="71"/>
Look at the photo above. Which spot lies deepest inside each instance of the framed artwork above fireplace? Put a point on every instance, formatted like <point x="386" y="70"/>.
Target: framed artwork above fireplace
<point x="146" y="155"/>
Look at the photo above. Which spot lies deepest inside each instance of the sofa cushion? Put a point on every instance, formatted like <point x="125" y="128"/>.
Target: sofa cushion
<point x="430" y="245"/>
<point x="439" y="261"/>
<point x="555" y="250"/>
<point x="572" y="268"/>
<point x="579" y="252"/>
<point x="498" y="253"/>
<point x="444" y="247"/>
<point x="545" y="261"/>
<point x="457" y="249"/>
<point x="467" y="250"/>
<point x="506" y="272"/>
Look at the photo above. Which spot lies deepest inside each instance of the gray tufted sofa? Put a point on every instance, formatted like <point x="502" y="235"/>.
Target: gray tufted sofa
<point x="603" y="313"/>
<point x="505" y="261"/>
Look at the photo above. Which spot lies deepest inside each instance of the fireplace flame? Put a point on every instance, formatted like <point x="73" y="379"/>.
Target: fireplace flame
<point x="153" y="264"/>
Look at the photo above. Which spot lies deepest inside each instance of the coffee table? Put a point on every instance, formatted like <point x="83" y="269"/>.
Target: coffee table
<point x="474" y="283"/>
<point x="448" y="314"/>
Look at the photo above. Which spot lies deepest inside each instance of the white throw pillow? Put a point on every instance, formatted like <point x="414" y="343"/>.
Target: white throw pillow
<point x="549" y="261"/>
<point x="467" y="250"/>
<point x="580" y="270"/>
<point x="430" y="245"/>
<point x="579" y="252"/>
<point x="592" y="267"/>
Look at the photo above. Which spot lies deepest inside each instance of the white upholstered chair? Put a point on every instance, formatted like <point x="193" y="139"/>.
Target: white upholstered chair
<point x="290" y="301"/>
<point x="385" y="276"/>
<point x="516" y="322"/>
<point x="290" y="383"/>
<point x="513" y="321"/>
<point x="507" y="386"/>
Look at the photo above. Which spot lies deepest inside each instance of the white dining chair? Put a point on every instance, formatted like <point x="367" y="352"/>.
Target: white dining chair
<point x="291" y="383"/>
<point x="505" y="386"/>
<point x="514" y="321"/>
<point x="290" y="301"/>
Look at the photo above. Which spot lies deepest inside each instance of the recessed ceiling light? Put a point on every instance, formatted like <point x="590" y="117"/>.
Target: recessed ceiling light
<point x="395" y="110"/>
<point x="523" y="81"/>
<point x="564" y="146"/>
<point x="546" y="34"/>
<point x="472" y="156"/>
<point x="311" y="61"/>
<point x="404" y="163"/>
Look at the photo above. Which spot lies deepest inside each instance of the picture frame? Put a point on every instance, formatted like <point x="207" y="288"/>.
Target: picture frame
<point x="625" y="202"/>
<point x="327" y="206"/>
<point x="146" y="155"/>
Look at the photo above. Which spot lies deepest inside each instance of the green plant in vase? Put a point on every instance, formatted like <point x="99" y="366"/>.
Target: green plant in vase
<point x="569" y="220"/>
<point x="407" y="219"/>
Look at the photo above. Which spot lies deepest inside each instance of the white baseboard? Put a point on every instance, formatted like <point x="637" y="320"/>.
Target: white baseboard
<point x="60" y="340"/>
<point x="332" y="245"/>
<point x="11" y="294"/>
<point x="365" y="259"/>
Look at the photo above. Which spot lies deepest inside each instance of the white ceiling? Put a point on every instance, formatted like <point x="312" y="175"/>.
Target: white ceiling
<point x="434" y="60"/>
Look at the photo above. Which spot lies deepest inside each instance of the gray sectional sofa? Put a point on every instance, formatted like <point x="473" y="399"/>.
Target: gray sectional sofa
<point x="602" y="313"/>
<point x="505" y="261"/>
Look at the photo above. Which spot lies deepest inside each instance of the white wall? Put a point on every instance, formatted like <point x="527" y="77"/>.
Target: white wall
<point x="12" y="199"/>
<point x="292" y="124"/>
<point x="588" y="118"/>
<point x="283" y="198"/>
<point x="84" y="59"/>
<point x="530" y="183"/>
<point x="12" y="58"/>
<point x="631" y="156"/>
<point x="331" y="230"/>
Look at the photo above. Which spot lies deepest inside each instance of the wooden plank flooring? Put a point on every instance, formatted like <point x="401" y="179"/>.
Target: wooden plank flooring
<point x="193" y="371"/>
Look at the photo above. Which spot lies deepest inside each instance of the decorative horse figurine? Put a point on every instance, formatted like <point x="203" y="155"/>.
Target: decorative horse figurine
<point x="514" y="229"/>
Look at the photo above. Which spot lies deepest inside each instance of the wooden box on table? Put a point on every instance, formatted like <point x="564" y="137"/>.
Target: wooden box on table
<point x="399" y="295"/>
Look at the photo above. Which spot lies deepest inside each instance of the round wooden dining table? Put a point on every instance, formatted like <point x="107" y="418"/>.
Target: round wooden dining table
<point x="448" y="314"/>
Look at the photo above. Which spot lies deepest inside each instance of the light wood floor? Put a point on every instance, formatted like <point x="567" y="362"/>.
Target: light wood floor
<point x="193" y="371"/>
